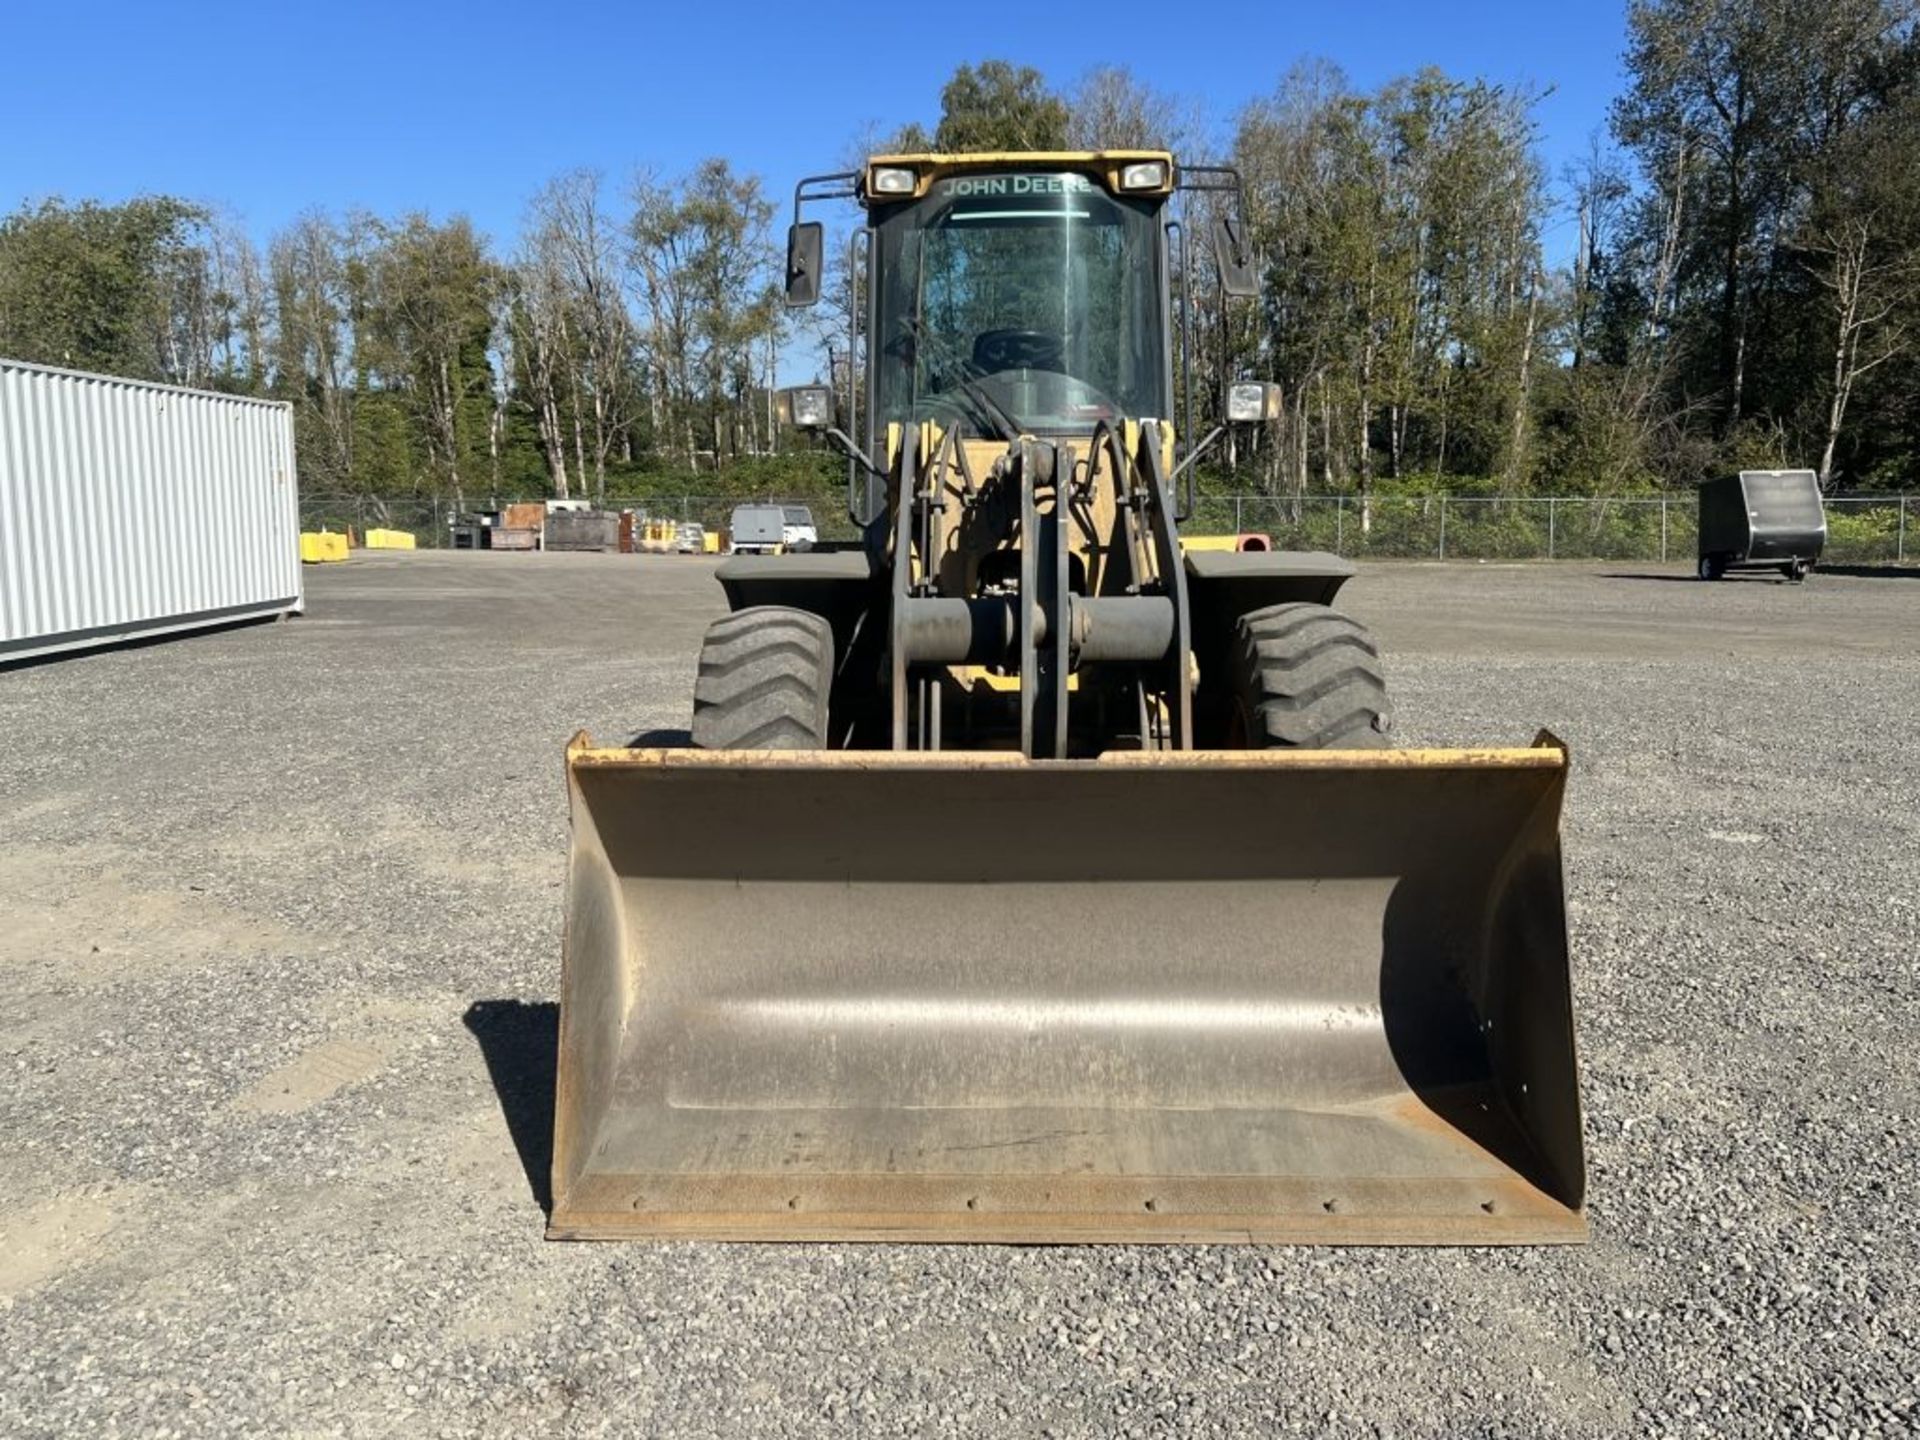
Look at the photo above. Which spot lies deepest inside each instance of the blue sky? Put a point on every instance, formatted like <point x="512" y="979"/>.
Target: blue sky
<point x="268" y="110"/>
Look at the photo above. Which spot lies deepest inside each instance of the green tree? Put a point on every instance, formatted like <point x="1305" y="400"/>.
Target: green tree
<point x="105" y="287"/>
<point x="1404" y="293"/>
<point x="1860" y="241"/>
<point x="576" y="329"/>
<point x="704" y="267"/>
<point x="1730" y="108"/>
<point x="428" y="338"/>
<point x="996" y="105"/>
<point x="320" y="286"/>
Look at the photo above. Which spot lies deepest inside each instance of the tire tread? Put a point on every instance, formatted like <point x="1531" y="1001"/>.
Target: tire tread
<point x="765" y="679"/>
<point x="1309" y="678"/>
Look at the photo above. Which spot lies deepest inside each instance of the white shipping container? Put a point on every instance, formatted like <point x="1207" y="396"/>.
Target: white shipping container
<point x="130" y="509"/>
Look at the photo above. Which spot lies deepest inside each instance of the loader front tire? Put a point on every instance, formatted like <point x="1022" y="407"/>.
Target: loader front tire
<point x="1308" y="678"/>
<point x="766" y="675"/>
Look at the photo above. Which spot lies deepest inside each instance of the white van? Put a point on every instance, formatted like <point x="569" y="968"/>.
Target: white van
<point x="797" y="531"/>
<point x="756" y="530"/>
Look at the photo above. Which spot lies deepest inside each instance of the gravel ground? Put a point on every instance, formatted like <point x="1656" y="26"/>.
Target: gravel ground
<point x="280" y="933"/>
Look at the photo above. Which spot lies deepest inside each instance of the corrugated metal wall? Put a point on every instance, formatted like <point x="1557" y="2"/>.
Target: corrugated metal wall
<point x="128" y="508"/>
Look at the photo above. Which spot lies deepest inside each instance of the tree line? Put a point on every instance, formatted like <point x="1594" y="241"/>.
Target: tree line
<point x="418" y="359"/>
<point x="1743" y="287"/>
<point x="1731" y="277"/>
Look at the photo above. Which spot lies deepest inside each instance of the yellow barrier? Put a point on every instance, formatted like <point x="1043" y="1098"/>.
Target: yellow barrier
<point x="322" y="547"/>
<point x="1209" y="542"/>
<point x="1247" y="540"/>
<point x="390" y="540"/>
<point x="710" y="543"/>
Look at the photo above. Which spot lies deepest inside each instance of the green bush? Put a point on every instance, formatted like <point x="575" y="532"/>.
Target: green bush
<point x="1863" y="534"/>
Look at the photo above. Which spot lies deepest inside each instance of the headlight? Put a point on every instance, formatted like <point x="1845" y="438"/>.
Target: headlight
<point x="890" y="180"/>
<point x="1145" y="175"/>
<point x="1252" y="401"/>
<point x="805" y="407"/>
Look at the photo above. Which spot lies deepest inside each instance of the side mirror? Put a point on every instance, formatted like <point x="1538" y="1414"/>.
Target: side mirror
<point x="1252" y="402"/>
<point x="805" y="407"/>
<point x="1230" y="253"/>
<point x="806" y="244"/>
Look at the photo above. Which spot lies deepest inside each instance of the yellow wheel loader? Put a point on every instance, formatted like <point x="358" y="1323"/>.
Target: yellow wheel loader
<point x="1031" y="877"/>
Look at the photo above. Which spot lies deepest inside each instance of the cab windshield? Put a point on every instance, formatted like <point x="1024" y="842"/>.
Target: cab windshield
<point x="1019" y="302"/>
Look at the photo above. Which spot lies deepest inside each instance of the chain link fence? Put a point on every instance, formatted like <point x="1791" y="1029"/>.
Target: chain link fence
<point x="426" y="518"/>
<point x="430" y="520"/>
<point x="1861" y="530"/>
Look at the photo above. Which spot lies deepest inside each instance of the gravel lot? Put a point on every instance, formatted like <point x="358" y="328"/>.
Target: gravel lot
<point x="279" y="933"/>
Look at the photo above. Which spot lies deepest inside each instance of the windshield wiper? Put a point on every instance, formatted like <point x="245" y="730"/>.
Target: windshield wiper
<point x="1002" y="423"/>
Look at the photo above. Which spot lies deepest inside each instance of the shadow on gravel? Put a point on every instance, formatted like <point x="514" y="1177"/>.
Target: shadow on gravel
<point x="133" y="642"/>
<point x="1870" y="572"/>
<point x="1735" y="578"/>
<point x="661" y="740"/>
<point x="1851" y="572"/>
<point x="521" y="1045"/>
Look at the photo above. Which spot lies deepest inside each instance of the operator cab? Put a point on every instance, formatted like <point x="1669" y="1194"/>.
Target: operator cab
<point x="998" y="296"/>
<point x="1019" y="300"/>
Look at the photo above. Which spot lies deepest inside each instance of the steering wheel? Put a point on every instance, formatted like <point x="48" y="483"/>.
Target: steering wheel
<point x="1018" y="350"/>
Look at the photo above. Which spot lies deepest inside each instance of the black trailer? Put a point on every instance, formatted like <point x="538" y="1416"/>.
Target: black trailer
<point x="1761" y="520"/>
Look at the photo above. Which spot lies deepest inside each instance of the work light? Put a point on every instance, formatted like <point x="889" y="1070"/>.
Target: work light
<point x="1251" y="401"/>
<point x="806" y="407"/>
<point x="1144" y="175"/>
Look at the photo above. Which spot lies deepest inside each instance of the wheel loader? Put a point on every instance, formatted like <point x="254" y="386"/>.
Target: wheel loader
<point x="1030" y="876"/>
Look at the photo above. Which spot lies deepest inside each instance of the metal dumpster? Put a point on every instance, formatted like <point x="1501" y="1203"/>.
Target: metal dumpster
<point x="1761" y="520"/>
<point x="583" y="530"/>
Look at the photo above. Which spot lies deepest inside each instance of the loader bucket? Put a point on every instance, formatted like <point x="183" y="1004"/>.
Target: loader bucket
<point x="1272" y="996"/>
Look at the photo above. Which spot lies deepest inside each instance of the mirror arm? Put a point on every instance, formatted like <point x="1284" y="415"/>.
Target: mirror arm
<point x="1185" y="467"/>
<point x="843" y="185"/>
<point x="1193" y="454"/>
<point x="852" y="450"/>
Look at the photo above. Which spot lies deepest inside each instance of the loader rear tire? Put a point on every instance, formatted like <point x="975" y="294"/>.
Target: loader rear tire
<point x="766" y="675"/>
<point x="1308" y="678"/>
